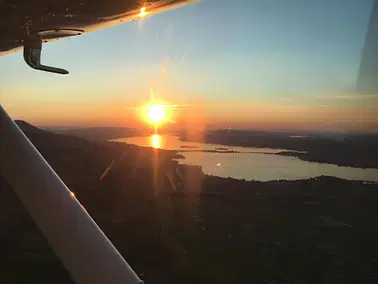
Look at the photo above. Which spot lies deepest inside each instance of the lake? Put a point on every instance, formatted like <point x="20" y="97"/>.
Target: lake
<point x="262" y="164"/>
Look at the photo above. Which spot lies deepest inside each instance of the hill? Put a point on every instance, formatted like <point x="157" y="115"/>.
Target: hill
<point x="98" y="133"/>
<point x="175" y="225"/>
<point x="353" y="150"/>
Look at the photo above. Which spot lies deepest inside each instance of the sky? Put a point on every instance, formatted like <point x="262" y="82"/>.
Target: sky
<point x="259" y="64"/>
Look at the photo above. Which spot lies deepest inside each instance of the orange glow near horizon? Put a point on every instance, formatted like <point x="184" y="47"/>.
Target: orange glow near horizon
<point x="195" y="114"/>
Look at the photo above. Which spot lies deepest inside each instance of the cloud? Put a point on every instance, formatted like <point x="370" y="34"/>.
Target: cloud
<point x="355" y="97"/>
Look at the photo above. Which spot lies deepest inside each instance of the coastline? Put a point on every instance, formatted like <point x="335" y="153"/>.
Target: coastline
<point x="173" y="222"/>
<point x="347" y="155"/>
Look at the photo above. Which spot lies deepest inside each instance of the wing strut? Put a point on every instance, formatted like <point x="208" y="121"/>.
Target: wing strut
<point x="83" y="248"/>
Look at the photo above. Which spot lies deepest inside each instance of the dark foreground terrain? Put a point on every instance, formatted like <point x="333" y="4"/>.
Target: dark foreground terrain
<point x="175" y="225"/>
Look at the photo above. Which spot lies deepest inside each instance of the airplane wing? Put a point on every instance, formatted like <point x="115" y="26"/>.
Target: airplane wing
<point x="27" y="24"/>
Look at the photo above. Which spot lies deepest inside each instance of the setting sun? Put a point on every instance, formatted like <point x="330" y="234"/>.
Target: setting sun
<point x="156" y="113"/>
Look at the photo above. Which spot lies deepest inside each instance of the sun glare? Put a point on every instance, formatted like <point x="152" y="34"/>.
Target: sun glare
<point x="156" y="113"/>
<point x="143" y="13"/>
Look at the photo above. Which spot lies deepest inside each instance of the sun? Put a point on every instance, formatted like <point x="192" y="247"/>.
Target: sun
<point x="143" y="13"/>
<point x="156" y="113"/>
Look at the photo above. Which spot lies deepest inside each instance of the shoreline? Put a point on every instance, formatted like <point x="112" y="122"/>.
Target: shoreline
<point x="173" y="222"/>
<point x="298" y="154"/>
<point x="303" y="155"/>
<point x="318" y="156"/>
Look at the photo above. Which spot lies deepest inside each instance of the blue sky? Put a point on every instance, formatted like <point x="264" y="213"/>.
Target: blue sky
<point x="213" y="50"/>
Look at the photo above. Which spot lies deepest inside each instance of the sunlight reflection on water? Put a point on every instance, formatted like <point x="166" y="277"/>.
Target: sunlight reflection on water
<point x="249" y="163"/>
<point x="156" y="141"/>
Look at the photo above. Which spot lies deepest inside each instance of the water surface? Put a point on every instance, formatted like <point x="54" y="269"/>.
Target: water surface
<point x="249" y="163"/>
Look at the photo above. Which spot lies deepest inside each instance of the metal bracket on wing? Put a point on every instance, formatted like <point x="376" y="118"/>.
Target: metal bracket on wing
<point x="33" y="46"/>
<point x="32" y="56"/>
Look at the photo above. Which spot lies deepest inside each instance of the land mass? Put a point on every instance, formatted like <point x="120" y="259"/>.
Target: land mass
<point x="353" y="150"/>
<point x="98" y="134"/>
<point x="174" y="224"/>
